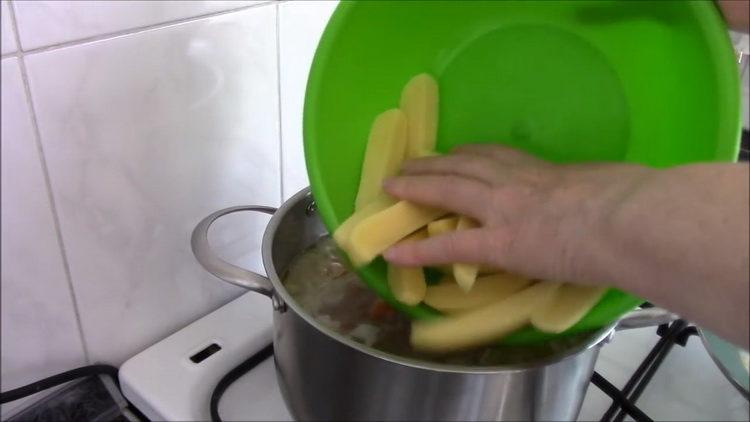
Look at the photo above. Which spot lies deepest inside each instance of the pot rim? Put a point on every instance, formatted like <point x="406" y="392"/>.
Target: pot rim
<point x="280" y="293"/>
<point x="722" y="367"/>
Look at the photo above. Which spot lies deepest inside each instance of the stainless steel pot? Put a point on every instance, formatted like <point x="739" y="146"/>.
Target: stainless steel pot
<point x="326" y="376"/>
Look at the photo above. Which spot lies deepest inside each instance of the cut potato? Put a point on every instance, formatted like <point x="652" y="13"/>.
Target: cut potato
<point x="442" y="226"/>
<point x="482" y="325"/>
<point x="408" y="284"/>
<point x="386" y="147"/>
<point x="465" y="274"/>
<point x="448" y="297"/>
<point x="570" y="304"/>
<point x="419" y="101"/>
<point x="378" y="232"/>
<point x="344" y="231"/>
<point x="487" y="270"/>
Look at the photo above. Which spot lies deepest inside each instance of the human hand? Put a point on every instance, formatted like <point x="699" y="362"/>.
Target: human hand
<point x="537" y="219"/>
<point x="736" y="13"/>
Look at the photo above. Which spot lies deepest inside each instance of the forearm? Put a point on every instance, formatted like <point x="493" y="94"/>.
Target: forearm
<point x="683" y="230"/>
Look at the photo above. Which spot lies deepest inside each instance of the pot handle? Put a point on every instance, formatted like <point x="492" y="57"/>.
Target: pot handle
<point x="220" y="268"/>
<point x="647" y="317"/>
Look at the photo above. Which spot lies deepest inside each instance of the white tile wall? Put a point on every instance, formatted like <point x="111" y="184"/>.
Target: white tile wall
<point x="741" y="43"/>
<point x="301" y="25"/>
<point x="145" y="135"/>
<point x="40" y="335"/>
<point x="7" y="39"/>
<point x="43" y="23"/>
<point x="145" y="129"/>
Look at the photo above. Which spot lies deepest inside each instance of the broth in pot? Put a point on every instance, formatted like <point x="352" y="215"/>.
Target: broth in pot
<point x="322" y="284"/>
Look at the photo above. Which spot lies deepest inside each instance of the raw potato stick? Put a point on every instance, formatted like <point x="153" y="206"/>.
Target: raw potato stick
<point x="483" y="325"/>
<point x="419" y="101"/>
<point x="570" y="304"/>
<point x="465" y="274"/>
<point x="408" y="284"/>
<point x="442" y="226"/>
<point x="378" y="232"/>
<point x="487" y="270"/>
<point x="343" y="233"/>
<point x="448" y="297"/>
<point x="385" y="151"/>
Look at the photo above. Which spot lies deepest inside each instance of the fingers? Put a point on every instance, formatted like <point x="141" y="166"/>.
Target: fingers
<point x="474" y="166"/>
<point x="483" y="162"/>
<point x="451" y="193"/>
<point x="464" y="246"/>
<point x="503" y="154"/>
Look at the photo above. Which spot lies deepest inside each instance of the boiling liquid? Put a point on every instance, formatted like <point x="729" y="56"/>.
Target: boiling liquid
<point x="322" y="284"/>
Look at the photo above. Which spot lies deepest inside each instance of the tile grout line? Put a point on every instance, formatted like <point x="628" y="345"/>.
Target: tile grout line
<point x="278" y="103"/>
<point x="16" y="36"/>
<point x="47" y="182"/>
<point x="136" y="30"/>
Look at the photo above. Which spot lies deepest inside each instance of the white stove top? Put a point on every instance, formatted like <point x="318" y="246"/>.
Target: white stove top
<point x="165" y="384"/>
<point x="255" y="396"/>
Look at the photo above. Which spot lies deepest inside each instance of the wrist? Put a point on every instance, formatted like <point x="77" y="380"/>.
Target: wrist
<point x="607" y="196"/>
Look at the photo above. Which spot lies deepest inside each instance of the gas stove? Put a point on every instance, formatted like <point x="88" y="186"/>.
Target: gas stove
<point x="662" y="373"/>
<point x="642" y="374"/>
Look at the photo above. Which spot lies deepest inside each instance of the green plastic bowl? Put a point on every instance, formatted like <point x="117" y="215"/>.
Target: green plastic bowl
<point x="648" y="82"/>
